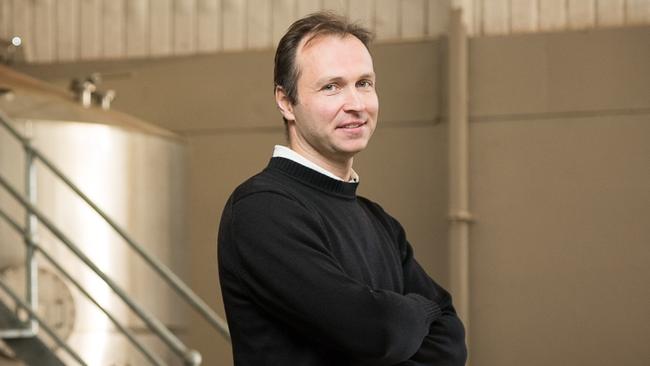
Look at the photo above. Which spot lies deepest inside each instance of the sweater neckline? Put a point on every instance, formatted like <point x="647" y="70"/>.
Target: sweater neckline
<point x="313" y="178"/>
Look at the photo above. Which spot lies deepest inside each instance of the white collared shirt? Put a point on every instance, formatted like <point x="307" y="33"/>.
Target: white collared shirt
<point x="280" y="151"/>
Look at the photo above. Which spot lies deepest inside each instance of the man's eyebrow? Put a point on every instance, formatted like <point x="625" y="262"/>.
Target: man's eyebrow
<point x="330" y="79"/>
<point x="370" y="75"/>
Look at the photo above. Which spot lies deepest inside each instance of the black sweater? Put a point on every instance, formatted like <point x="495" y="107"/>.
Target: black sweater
<point x="312" y="274"/>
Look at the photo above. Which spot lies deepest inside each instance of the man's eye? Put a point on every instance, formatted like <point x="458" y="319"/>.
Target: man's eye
<point x="365" y="84"/>
<point x="330" y="87"/>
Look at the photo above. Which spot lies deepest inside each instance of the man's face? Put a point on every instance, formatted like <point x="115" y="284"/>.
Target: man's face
<point x="337" y="107"/>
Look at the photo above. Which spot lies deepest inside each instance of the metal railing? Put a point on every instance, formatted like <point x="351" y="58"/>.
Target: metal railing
<point x="189" y="356"/>
<point x="138" y="345"/>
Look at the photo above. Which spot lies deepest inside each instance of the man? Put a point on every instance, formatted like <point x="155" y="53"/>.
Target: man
<point x="311" y="273"/>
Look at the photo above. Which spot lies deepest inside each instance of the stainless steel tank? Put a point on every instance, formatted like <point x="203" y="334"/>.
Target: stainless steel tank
<point x="133" y="171"/>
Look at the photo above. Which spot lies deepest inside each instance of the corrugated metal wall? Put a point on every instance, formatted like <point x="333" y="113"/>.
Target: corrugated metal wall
<point x="71" y="30"/>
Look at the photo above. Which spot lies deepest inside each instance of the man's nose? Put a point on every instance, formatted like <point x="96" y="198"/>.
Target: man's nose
<point x="354" y="101"/>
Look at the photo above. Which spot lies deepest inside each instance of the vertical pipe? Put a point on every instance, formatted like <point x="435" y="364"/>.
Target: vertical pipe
<point x="31" y="268"/>
<point x="459" y="166"/>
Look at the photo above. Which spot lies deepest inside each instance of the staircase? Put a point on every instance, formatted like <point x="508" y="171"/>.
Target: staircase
<point x="30" y="350"/>
<point x="23" y="334"/>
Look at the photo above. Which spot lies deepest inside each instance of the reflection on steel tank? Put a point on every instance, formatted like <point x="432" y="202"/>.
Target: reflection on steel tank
<point x="133" y="171"/>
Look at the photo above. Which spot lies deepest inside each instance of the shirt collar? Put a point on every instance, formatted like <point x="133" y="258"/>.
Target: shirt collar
<point x="285" y="152"/>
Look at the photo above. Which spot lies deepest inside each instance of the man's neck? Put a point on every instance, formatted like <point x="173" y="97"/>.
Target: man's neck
<point x="316" y="164"/>
<point x="341" y="169"/>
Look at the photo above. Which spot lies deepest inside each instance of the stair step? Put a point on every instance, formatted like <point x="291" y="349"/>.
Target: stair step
<point x="32" y="351"/>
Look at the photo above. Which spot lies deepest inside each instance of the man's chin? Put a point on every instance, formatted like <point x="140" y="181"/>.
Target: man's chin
<point x="352" y="149"/>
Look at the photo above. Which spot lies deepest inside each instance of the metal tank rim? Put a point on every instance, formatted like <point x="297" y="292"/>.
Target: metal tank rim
<point x="28" y="99"/>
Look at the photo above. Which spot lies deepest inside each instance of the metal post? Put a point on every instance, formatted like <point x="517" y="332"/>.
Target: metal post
<point x="31" y="267"/>
<point x="460" y="216"/>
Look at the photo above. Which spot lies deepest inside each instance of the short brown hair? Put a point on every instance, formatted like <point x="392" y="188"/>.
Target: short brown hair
<point x="286" y="72"/>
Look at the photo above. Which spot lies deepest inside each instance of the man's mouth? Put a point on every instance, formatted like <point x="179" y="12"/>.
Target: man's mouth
<point x="352" y="125"/>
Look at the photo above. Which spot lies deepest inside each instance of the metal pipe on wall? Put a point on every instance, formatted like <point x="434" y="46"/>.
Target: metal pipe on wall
<point x="459" y="215"/>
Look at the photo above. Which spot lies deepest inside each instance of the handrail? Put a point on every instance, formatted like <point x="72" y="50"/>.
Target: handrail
<point x="177" y="284"/>
<point x="47" y="329"/>
<point x="151" y="357"/>
<point x="191" y="357"/>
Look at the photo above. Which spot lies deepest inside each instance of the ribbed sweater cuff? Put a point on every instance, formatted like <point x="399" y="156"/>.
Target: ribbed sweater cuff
<point x="431" y="309"/>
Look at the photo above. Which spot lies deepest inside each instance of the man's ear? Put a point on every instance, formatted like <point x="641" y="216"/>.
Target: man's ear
<point x="284" y="104"/>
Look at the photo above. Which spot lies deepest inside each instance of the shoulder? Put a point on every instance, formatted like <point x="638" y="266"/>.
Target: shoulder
<point x="263" y="202"/>
<point x="267" y="190"/>
<point x="263" y="182"/>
